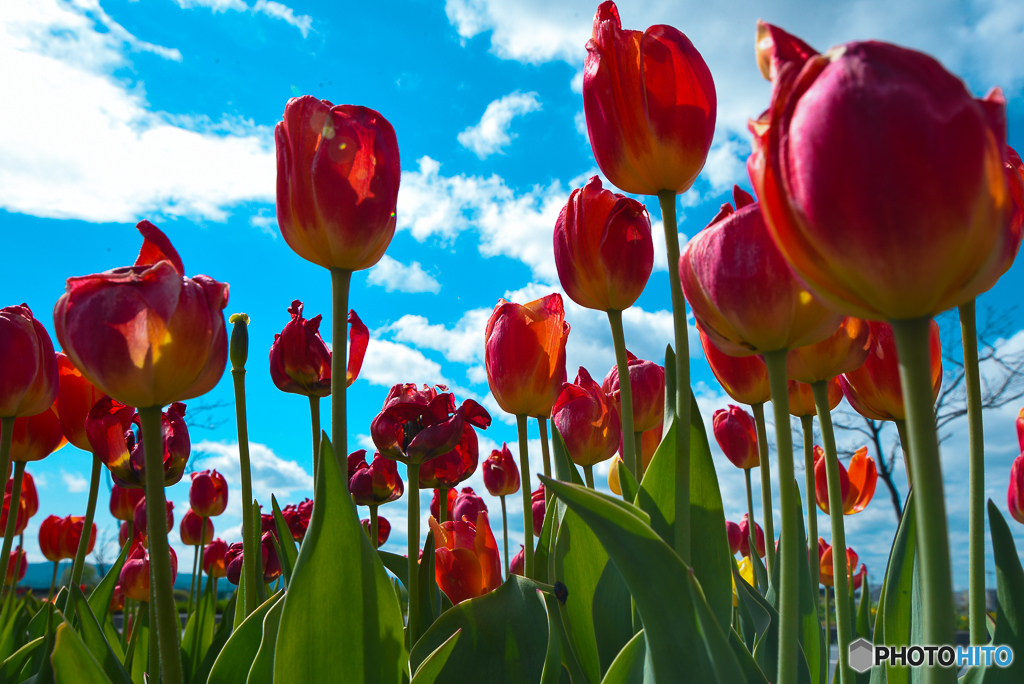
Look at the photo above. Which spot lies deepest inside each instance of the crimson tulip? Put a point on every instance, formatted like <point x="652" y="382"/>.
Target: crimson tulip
<point x="191" y="525"/>
<point x="71" y="530"/>
<point x="300" y="361"/>
<point x="1020" y="429"/>
<point x="647" y="383"/>
<point x="449" y="469"/>
<point x="435" y="504"/>
<point x="417" y="425"/>
<point x="233" y="563"/>
<point x="1015" y="492"/>
<point x="500" y="472"/>
<point x="383" y="529"/>
<point x="826" y="574"/>
<point x="524" y="354"/>
<point x="213" y="558"/>
<point x="745" y="537"/>
<point x="134" y="579"/>
<point x="271" y="563"/>
<point x="375" y="483"/>
<point x="33" y="438"/>
<point x="49" y="538"/>
<point x="139" y="519"/>
<point x="516" y="567"/>
<point x="147" y="335"/>
<point x="29" y="494"/>
<point x="75" y="398"/>
<point x="845" y="350"/>
<point x="123" y="501"/>
<point x="466" y="559"/>
<point x="744" y="378"/>
<point x="468" y="505"/>
<point x="650" y="104"/>
<point x="208" y="494"/>
<point x="19" y="561"/>
<point x="801" y="397"/>
<point x="736" y="434"/>
<point x="28" y="365"/>
<point x="539" y="507"/>
<point x="587" y="420"/>
<point x="109" y="428"/>
<point x="20" y="522"/>
<point x="297" y="517"/>
<point x="732" y="530"/>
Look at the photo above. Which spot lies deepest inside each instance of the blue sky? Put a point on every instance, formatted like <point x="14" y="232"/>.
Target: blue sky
<point x="116" y="111"/>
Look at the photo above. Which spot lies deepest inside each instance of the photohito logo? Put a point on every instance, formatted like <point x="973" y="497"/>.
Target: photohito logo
<point x="864" y="655"/>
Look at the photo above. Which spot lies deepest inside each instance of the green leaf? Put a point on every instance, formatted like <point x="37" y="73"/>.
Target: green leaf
<point x="670" y="385"/>
<point x="220" y="637"/>
<point x="760" y="573"/>
<point x="44" y="667"/>
<point x="99" y="598"/>
<point x="13" y="635"/>
<point x="94" y="639"/>
<point x="864" y="611"/>
<point x="199" y="631"/>
<point x="812" y="638"/>
<point x="504" y="637"/>
<point x="235" y="660"/>
<point x="724" y="660"/>
<point x="896" y="604"/>
<point x="565" y="469"/>
<point x="627" y="483"/>
<point x="658" y="584"/>
<point x="10" y="668"/>
<point x="72" y="662"/>
<point x="136" y="659"/>
<point x="430" y="669"/>
<point x="339" y="593"/>
<point x="746" y="661"/>
<point x="553" y="656"/>
<point x="628" y="666"/>
<point x="262" y="670"/>
<point x="289" y="553"/>
<point x="1010" y="588"/>
<point x="257" y="532"/>
<point x="396" y="565"/>
<point x="541" y="556"/>
<point x="239" y="601"/>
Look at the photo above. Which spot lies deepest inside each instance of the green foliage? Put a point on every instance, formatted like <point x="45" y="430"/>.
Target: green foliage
<point x="72" y="661"/>
<point x="95" y="640"/>
<point x="199" y="632"/>
<point x="286" y="542"/>
<point x="235" y="659"/>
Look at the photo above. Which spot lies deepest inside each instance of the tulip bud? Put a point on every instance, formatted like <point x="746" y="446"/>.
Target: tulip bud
<point x="466" y="562"/>
<point x="587" y="420"/>
<point x="36" y="437"/>
<point x="49" y="538"/>
<point x="21" y="521"/>
<point x="239" y="340"/>
<point x="29" y="494"/>
<point x="191" y="525"/>
<point x="233" y="563"/>
<point x="435" y="506"/>
<point x="208" y="494"/>
<point x="744" y="378"/>
<point x="516" y="567"/>
<point x="539" y="509"/>
<point x="801" y="397"/>
<point x="375" y="483"/>
<point x="736" y="434"/>
<point x="117" y="605"/>
<point x="1015" y="492"/>
<point x="500" y="472"/>
<point x="140" y="517"/>
<point x="71" y="530"/>
<point x="123" y="501"/>
<point x="135" y="573"/>
<point x="18" y="563"/>
<point x="28" y="364"/>
<point x="214" y="558"/>
<point x="735" y="537"/>
<point x="647" y="381"/>
<point x="468" y="505"/>
<point x="300" y="361"/>
<point x="745" y="537"/>
<point x="383" y="529"/>
<point x="271" y="563"/>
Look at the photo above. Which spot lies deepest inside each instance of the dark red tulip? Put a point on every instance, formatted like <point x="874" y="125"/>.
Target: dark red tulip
<point x="647" y="382"/>
<point x="233" y="563"/>
<point x="375" y="483"/>
<point x="109" y="428"/>
<point x="735" y="537"/>
<point x="383" y="529"/>
<point x="468" y="505"/>
<point x="189" y="530"/>
<point x="135" y="573"/>
<point x="271" y="563"/>
<point x="1015" y="491"/>
<point x="140" y="517"/>
<point x="208" y="494"/>
<point x="417" y="425"/>
<point x="435" y="504"/>
<point x="71" y="530"/>
<point x="75" y="398"/>
<point x="49" y="538"/>
<point x="123" y="501"/>
<point x="28" y="365"/>
<point x="587" y="419"/>
<point x="736" y="433"/>
<point x="517" y="566"/>
<point x="297" y="517"/>
<point x="213" y="558"/>
<point x="745" y="537"/>
<point x="539" y="507"/>
<point x="451" y="468"/>
<point x="500" y="472"/>
<point x="20" y="561"/>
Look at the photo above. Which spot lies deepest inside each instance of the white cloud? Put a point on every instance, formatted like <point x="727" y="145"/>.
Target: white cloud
<point x="274" y="10"/>
<point x="271" y="474"/>
<point x="462" y="343"/>
<point x="388" y="363"/>
<point x="74" y="482"/>
<point x="99" y="165"/>
<point x="393" y="275"/>
<point x="492" y="133"/>
<point x="580" y="120"/>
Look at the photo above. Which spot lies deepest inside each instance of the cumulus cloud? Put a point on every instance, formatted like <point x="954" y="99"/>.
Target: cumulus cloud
<point x="274" y="10"/>
<point x="74" y="482"/>
<point x="394" y="276"/>
<point x="271" y="474"/>
<point x="492" y="133"/>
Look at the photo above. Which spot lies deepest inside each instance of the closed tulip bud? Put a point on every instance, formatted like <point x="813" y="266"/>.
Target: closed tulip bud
<point x="500" y="472"/>
<point x="451" y="468"/>
<point x="208" y="494"/>
<point x="123" y="501"/>
<point x="856" y="485"/>
<point x="466" y="559"/>
<point x="109" y="428"/>
<point x="22" y="519"/>
<point x="239" y="347"/>
<point x="375" y="483"/>
<point x="117" y="605"/>
<point x="732" y="530"/>
<point x="604" y="251"/>
<point x="170" y="344"/>
<point x="134" y="578"/>
<point x="924" y="229"/>
<point x="1015" y="492"/>
<point x="1020" y="429"/>
<point x="468" y="505"/>
<point x="29" y="494"/>
<point x="337" y="183"/>
<point x="435" y="504"/>
<point x="49" y="538"/>
<point x="191" y="526"/>
<point x="744" y="378"/>
<point x="75" y="398"/>
<point x="587" y="420"/>
<point x="845" y="350"/>
<point x="271" y="563"/>
<point x="801" y="397"/>
<point x="28" y="365"/>
<point x="874" y="389"/>
<point x="233" y="563"/>
<point x="18" y="563"/>
<point x="733" y="257"/>
<point x="524" y="354"/>
<point x="745" y="537"/>
<point x="826" y="574"/>
<point x="647" y="381"/>
<point x="383" y="529"/>
<point x="516" y="567"/>
<point x="736" y="434"/>
<point x="214" y="558"/>
<point x="417" y="425"/>
<point x="122" y="534"/>
<point x="36" y="437"/>
<point x="539" y="509"/>
<point x="650" y="105"/>
<point x="71" y="530"/>
<point x="140" y="520"/>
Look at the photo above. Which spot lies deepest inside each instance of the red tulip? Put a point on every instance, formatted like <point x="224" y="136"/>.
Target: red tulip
<point x="191" y="524"/>
<point x="271" y="563"/>
<point x="468" y="505"/>
<point x="20" y="522"/>
<point x="500" y="472"/>
<point x="435" y="504"/>
<point x="28" y="365"/>
<point x="516" y="567"/>
<point x="71" y="530"/>
<point x="736" y="433"/>
<point x="1020" y="429"/>
<point x="587" y="420"/>
<point x="49" y="538"/>
<point x="337" y="183"/>
<point x="882" y="178"/>
<point x="524" y="352"/>
<point x="418" y="425"/>
<point x="29" y="495"/>
<point x="213" y="558"/>
<point x="233" y="563"/>
<point x="36" y="437"/>
<point x="732" y="530"/>
<point x="20" y="561"/>
<point x="375" y="483"/>
<point x="744" y="378"/>
<point x="649" y="443"/>
<point x="844" y="351"/>
<point x="122" y="534"/>
<point x="1015" y="492"/>
<point x="466" y="558"/>
<point x="650" y="104"/>
<point x="825" y="571"/>
<point x="539" y="508"/>
<point x="75" y="398"/>
<point x="857" y="486"/>
<point x="874" y="389"/>
<point x="135" y="573"/>
<point x="604" y="251"/>
<point x="116" y="605"/>
<point x="140" y="521"/>
<point x="208" y="494"/>
<point x="147" y="334"/>
<point x="383" y="529"/>
<point x="116" y="444"/>
<point x="123" y="501"/>
<point x="801" y="397"/>
<point x="647" y="382"/>
<point x="297" y="517"/>
<point x="453" y="467"/>
<point x="745" y="537"/>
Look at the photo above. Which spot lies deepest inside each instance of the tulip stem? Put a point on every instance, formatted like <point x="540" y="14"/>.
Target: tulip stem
<point x="314" y="418"/>
<point x="840" y="569"/>
<point x="192" y="587"/>
<point x="828" y="629"/>
<point x="250" y="602"/>
<point x="12" y="593"/>
<point x="768" y="517"/>
<point x="6" y="434"/>
<point x="667" y="199"/>
<point x="504" y="532"/>
<point x="90" y="512"/>
<point x="807" y="423"/>
<point x="161" y="580"/>
<point x="373" y="526"/>
<point x="340" y="281"/>
<point x="625" y="393"/>
<point x="588" y="473"/>
<point x="976" y="505"/>
<point x="789" y="587"/>
<point x="524" y="468"/>
<point x="442" y="504"/>
<point x="913" y="347"/>
<point x="542" y="423"/>
<point x="751" y="525"/>
<point x="53" y="581"/>
<point x="12" y="513"/>
<point x="901" y="430"/>
<point x="413" y="476"/>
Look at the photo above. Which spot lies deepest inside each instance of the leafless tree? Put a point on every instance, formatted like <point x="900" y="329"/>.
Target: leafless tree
<point x="207" y="415"/>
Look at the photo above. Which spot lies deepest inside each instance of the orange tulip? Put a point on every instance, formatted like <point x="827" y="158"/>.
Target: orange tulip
<point x="856" y="485"/>
<point x="467" y="563"/>
<point x="587" y="420"/>
<point x="845" y="350"/>
<point x="75" y="398"/>
<point x="744" y="378"/>
<point x="36" y="437"/>
<point x="801" y="398"/>
<point x="825" y="574"/>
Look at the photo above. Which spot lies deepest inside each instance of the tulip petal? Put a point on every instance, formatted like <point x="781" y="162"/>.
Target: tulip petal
<point x="359" y="338"/>
<point x="157" y="247"/>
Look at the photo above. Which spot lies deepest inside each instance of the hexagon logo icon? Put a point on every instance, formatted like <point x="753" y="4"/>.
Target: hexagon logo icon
<point x="861" y="658"/>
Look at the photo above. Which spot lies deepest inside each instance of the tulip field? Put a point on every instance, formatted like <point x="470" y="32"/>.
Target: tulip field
<point x="885" y="194"/>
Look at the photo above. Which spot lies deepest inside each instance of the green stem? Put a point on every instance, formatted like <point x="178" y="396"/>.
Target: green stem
<point x="840" y="571"/>
<point x="90" y="512"/>
<point x="249" y="550"/>
<point x="913" y="349"/>
<point x="314" y="418"/>
<point x="524" y="470"/>
<point x="504" y="532"/>
<point x="153" y="668"/>
<point x="167" y="621"/>
<point x="588" y="473"/>
<point x="442" y="504"/>
<point x="828" y="632"/>
<point x="901" y="430"/>
<point x="767" y="515"/>
<point x="13" y="592"/>
<point x="340" y="281"/>
<point x="373" y="526"/>
<point x="789" y="587"/>
<point x="192" y="587"/>
<point x="976" y="486"/>
<point x="6" y="434"/>
<point x="629" y="459"/>
<point x="807" y="423"/>
<point x="542" y="423"/>
<point x="413" y="477"/>
<point x="751" y="526"/>
<point x="12" y="514"/>
<point x="667" y="199"/>
<point x="53" y="581"/>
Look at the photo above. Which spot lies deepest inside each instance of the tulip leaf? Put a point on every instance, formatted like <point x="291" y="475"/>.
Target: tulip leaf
<point x="396" y="565"/>
<point x="199" y="631"/>
<point x="220" y="637"/>
<point x="627" y="483"/>
<point x="896" y="614"/>
<point x="670" y="387"/>
<point x="552" y="671"/>
<point x="339" y="578"/>
<point x="72" y="661"/>
<point x="658" y="584"/>
<point x="262" y="670"/>
<point x="430" y="669"/>
<point x="235" y="659"/>
<point x="760" y="573"/>
<point x="598" y="615"/>
<point x="14" y="664"/>
<point x="136" y="659"/>
<point x="812" y="638"/>
<point x="96" y="641"/>
<point x="565" y="469"/>
<point x="239" y="601"/>
<point x="863" y="630"/>
<point x="629" y="664"/>
<point x="541" y="556"/>
<point x="286" y="541"/>
<point x="745" y="660"/>
<point x="100" y="596"/>
<point x="430" y="595"/>
<point x="504" y="636"/>
<point x="724" y="660"/>
<point x="14" y="631"/>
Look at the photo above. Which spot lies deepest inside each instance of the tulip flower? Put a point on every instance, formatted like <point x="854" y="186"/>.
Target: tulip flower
<point x="417" y="425"/>
<point x="122" y="533"/>
<point x="29" y="495"/>
<point x="844" y="351"/>
<point x="71" y="530"/>
<point x="468" y="505"/>
<point x="735" y="537"/>
<point x="140" y="520"/>
<point x="466" y="558"/>
<point x="191" y="525"/>
<point x="435" y="505"/>
<point x="49" y="538"/>
<point x="604" y="252"/>
<point x="825" y="569"/>
<point x="383" y="529"/>
<point x="213" y="558"/>
<point x="134" y="579"/>
<point x="647" y="382"/>
<point x="116" y="605"/>
<point x="1020" y="429"/>
<point x="744" y="378"/>
<point x="208" y="494"/>
<point x="874" y="389"/>
<point x="18" y="562"/>
<point x="500" y="473"/>
<point x="801" y="397"/>
<point x="650" y="104"/>
<point x="337" y="183"/>
<point x="109" y="428"/>
<point x="737" y="436"/>
<point x="1015" y="492"/>
<point x="538" y="505"/>
<point x="588" y="422"/>
<point x="271" y="563"/>
<point x="21" y="521"/>
<point x="297" y="517"/>
<point x="516" y="567"/>
<point x="28" y="366"/>
<point x="233" y="563"/>
<point x="448" y="470"/>
<point x="123" y="501"/>
<point x="300" y="361"/>
<point x="745" y="537"/>
<point x="856" y="484"/>
<point x="33" y="438"/>
<point x="75" y="398"/>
